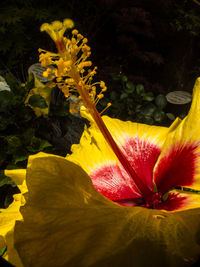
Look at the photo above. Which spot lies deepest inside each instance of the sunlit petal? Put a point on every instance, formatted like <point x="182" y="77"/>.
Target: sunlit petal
<point x="68" y="223"/>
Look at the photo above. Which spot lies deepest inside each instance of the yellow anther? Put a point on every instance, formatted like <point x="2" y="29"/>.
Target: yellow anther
<point x="76" y="48"/>
<point x="100" y="96"/>
<point x="68" y="41"/>
<point x="88" y="63"/>
<point x="102" y="84"/>
<point x="79" y="36"/>
<point x="84" y="64"/>
<point x="73" y="40"/>
<point x="68" y="23"/>
<point x="92" y="73"/>
<point x="57" y="25"/>
<point x="104" y="89"/>
<point x="45" y="59"/>
<point x="75" y="32"/>
<point x="69" y="81"/>
<point x="85" y="40"/>
<point x="56" y="29"/>
<point x="86" y="48"/>
<point x="44" y="27"/>
<point x="107" y="106"/>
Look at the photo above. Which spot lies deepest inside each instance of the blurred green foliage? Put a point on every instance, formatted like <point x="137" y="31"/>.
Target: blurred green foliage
<point x="187" y="20"/>
<point x="132" y="102"/>
<point x="23" y="134"/>
<point x="17" y="127"/>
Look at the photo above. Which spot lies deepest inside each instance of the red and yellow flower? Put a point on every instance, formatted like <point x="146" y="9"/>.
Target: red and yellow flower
<point x="116" y="200"/>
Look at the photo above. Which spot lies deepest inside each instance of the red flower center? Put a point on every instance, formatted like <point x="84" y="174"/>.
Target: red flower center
<point x="176" y="169"/>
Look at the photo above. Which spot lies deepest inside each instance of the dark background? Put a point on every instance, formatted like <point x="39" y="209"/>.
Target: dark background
<point x="155" y="43"/>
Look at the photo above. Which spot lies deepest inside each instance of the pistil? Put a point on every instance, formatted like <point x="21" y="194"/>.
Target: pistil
<point x="73" y="75"/>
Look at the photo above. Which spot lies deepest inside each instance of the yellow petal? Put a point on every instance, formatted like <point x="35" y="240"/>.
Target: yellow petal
<point x="45" y="92"/>
<point x="68" y="223"/>
<point x="178" y="164"/>
<point x="8" y="218"/>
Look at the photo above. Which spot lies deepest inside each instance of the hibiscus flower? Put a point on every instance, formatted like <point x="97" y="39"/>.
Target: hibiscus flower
<point x="118" y="199"/>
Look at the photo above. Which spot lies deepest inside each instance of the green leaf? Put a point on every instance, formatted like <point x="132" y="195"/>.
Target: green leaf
<point x="30" y="82"/>
<point x="148" y="96"/>
<point x="124" y="78"/>
<point x="5" y="99"/>
<point x="20" y="155"/>
<point x="123" y="96"/>
<point x="3" y="123"/>
<point x="28" y="134"/>
<point x="115" y="76"/>
<point x="34" y="145"/>
<point x="63" y="108"/>
<point x="37" y="101"/>
<point x="130" y="103"/>
<point x="158" y="115"/>
<point x="130" y="87"/>
<point x="12" y="82"/>
<point x="140" y="89"/>
<point x="44" y="144"/>
<point x="37" y="145"/>
<point x="148" y="109"/>
<point x="13" y="143"/>
<point x="113" y="95"/>
<point x="4" y="179"/>
<point x="170" y="116"/>
<point x="148" y="120"/>
<point x="161" y="101"/>
<point x="138" y="108"/>
<point x="2" y="251"/>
